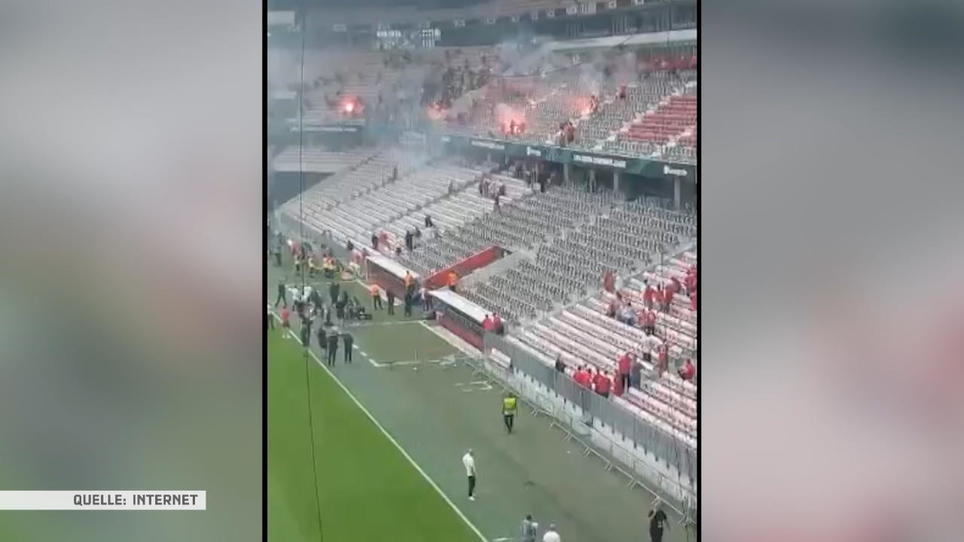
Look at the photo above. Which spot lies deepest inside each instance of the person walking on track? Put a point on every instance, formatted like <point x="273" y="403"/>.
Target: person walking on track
<point x="348" y="342"/>
<point x="281" y="294"/>
<point x="376" y="297"/>
<point x="529" y="529"/>
<point x="391" y="301"/>
<point x="551" y="535"/>
<point x="332" y="348"/>
<point x="509" y="407"/>
<point x="657" y="518"/>
<point x="468" y="460"/>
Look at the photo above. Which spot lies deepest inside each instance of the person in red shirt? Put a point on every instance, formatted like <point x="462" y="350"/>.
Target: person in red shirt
<point x="618" y="388"/>
<point x="667" y="299"/>
<point x="609" y="281"/>
<point x="581" y="376"/>
<point x="687" y="371"/>
<point x="285" y="314"/>
<point x="588" y="379"/>
<point x="690" y="282"/>
<point x="487" y="322"/>
<point x="648" y="295"/>
<point x="603" y="384"/>
<point x="496" y="323"/>
<point x="662" y="358"/>
<point x="623" y="365"/>
<point x="649" y="321"/>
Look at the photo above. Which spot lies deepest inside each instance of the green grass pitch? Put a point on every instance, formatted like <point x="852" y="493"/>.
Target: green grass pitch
<point x="367" y="489"/>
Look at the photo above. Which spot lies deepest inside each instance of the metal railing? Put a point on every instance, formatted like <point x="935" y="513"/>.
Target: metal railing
<point x="633" y="433"/>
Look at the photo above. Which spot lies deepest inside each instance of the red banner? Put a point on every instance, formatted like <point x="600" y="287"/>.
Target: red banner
<point x="464" y="267"/>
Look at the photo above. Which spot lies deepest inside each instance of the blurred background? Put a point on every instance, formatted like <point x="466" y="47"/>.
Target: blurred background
<point x="832" y="300"/>
<point x="130" y="284"/>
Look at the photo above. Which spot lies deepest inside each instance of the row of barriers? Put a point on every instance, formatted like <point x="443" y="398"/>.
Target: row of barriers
<point x="646" y="454"/>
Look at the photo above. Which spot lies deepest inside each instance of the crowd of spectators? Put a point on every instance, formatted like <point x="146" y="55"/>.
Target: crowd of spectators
<point x="655" y="300"/>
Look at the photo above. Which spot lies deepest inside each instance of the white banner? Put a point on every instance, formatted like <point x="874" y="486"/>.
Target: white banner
<point x="103" y="500"/>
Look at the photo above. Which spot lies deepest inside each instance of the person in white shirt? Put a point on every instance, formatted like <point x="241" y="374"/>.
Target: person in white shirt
<point x="551" y="535"/>
<point x="651" y="344"/>
<point x="468" y="460"/>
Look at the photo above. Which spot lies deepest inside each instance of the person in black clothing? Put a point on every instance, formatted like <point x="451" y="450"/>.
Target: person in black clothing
<point x="657" y="518"/>
<point x="391" y="301"/>
<point x="350" y="246"/>
<point x="635" y="374"/>
<point x="374" y="241"/>
<point x="322" y="338"/>
<point x="316" y="300"/>
<point x="332" y="348"/>
<point x="281" y="294"/>
<point x="560" y="365"/>
<point x="408" y="302"/>
<point x="328" y="315"/>
<point x="398" y="251"/>
<point x="306" y="330"/>
<point x="299" y="305"/>
<point x="428" y="221"/>
<point x="277" y="256"/>
<point x="333" y="288"/>
<point x="347" y="342"/>
<point x="340" y="308"/>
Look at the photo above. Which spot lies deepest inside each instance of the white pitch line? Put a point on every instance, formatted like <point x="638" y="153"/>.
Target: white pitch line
<point x="393" y="441"/>
<point x="408" y="362"/>
<point x="380" y="324"/>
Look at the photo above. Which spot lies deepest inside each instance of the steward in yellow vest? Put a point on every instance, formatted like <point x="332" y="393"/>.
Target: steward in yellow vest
<point x="509" y="407"/>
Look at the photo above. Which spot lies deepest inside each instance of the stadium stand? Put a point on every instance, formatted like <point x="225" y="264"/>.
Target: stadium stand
<point x="464" y="205"/>
<point x="353" y="210"/>
<point x="626" y="239"/>
<point x="369" y="173"/>
<point x="523" y="225"/>
<point x="584" y="335"/>
<point x="317" y="159"/>
<point x="564" y="239"/>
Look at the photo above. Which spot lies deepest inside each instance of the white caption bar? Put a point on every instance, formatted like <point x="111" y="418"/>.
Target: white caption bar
<point x="103" y="500"/>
